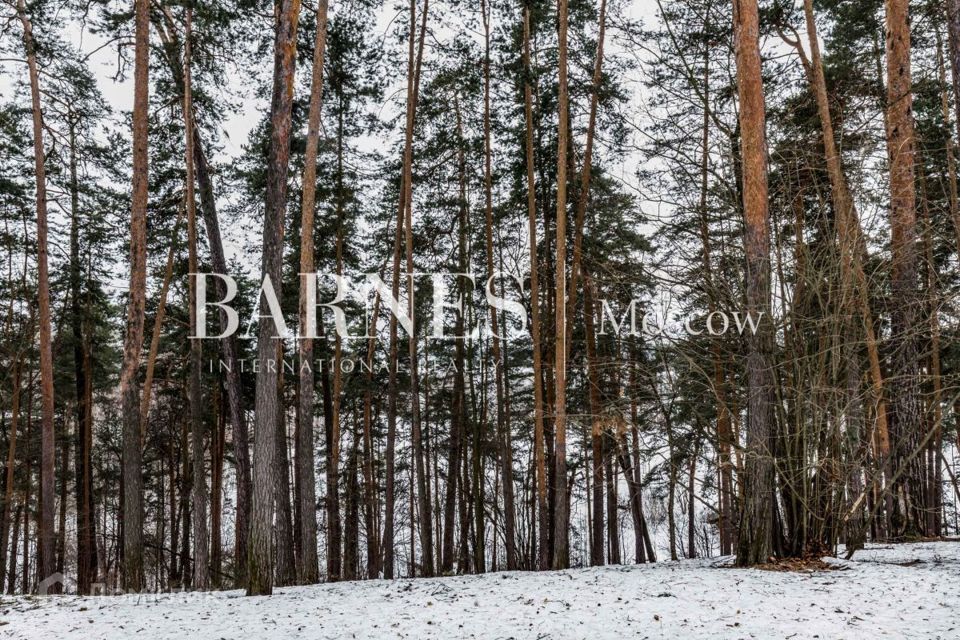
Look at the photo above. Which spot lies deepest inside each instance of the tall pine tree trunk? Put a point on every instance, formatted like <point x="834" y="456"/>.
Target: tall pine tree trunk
<point x="285" y="570"/>
<point x="724" y="431"/>
<point x="260" y="569"/>
<point x="538" y="400"/>
<point x="596" y="424"/>
<point x="133" y="340"/>
<point x="506" y="456"/>
<point x="423" y="499"/>
<point x="561" y="513"/>
<point x="307" y="567"/>
<point x="201" y="540"/>
<point x="755" y="542"/>
<point x="459" y="409"/>
<point x="369" y="480"/>
<point x="906" y="404"/>
<point x="216" y="491"/>
<point x="46" y="551"/>
<point x="86" y="523"/>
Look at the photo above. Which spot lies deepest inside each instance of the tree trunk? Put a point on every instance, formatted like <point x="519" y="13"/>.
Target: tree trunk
<point x="86" y="543"/>
<point x="351" y="529"/>
<point x="186" y="483"/>
<point x="906" y="405"/>
<point x="934" y="477"/>
<point x="369" y="480"/>
<point x="613" y="521"/>
<point x="133" y="341"/>
<point x="951" y="149"/>
<point x="755" y="541"/>
<point x="46" y="538"/>
<point x="538" y="433"/>
<point x="201" y="538"/>
<point x="307" y="567"/>
<point x="413" y="87"/>
<point x="268" y="413"/>
<point x="596" y="423"/>
<point x="28" y="489"/>
<point x="506" y="462"/>
<point x="216" y="492"/>
<point x="392" y="391"/>
<point x="459" y="409"/>
<point x="285" y="570"/>
<point x="724" y="433"/>
<point x="11" y="461"/>
<point x="691" y="504"/>
<point x="14" y="542"/>
<point x="561" y="515"/>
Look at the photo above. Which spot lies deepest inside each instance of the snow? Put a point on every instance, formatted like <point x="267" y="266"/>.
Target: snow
<point x="903" y="591"/>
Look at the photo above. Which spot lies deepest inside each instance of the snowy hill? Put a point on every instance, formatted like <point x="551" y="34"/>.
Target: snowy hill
<point x="904" y="591"/>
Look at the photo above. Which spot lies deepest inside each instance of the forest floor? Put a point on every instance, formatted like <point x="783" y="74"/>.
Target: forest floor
<point x="902" y="591"/>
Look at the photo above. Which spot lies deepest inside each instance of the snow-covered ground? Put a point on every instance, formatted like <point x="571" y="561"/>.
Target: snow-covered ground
<point x="905" y="591"/>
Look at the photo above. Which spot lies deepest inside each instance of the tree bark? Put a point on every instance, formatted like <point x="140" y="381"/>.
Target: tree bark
<point x="561" y="514"/>
<point x="459" y="409"/>
<point x="506" y="456"/>
<point x="369" y="480"/>
<point x="906" y="405"/>
<point x="46" y="540"/>
<point x="285" y="569"/>
<point x="201" y="538"/>
<point x="596" y="424"/>
<point x="538" y="433"/>
<point x="260" y="570"/>
<point x="133" y="341"/>
<point x="724" y="432"/>
<point x="426" y="519"/>
<point x="307" y="567"/>
<point x="11" y="461"/>
<point x="216" y="492"/>
<point x="755" y="542"/>
<point x="86" y="526"/>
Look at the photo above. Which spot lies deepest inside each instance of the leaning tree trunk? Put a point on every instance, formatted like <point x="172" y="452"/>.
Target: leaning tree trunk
<point x="755" y="540"/>
<point x="228" y="344"/>
<point x="260" y="557"/>
<point x="850" y="235"/>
